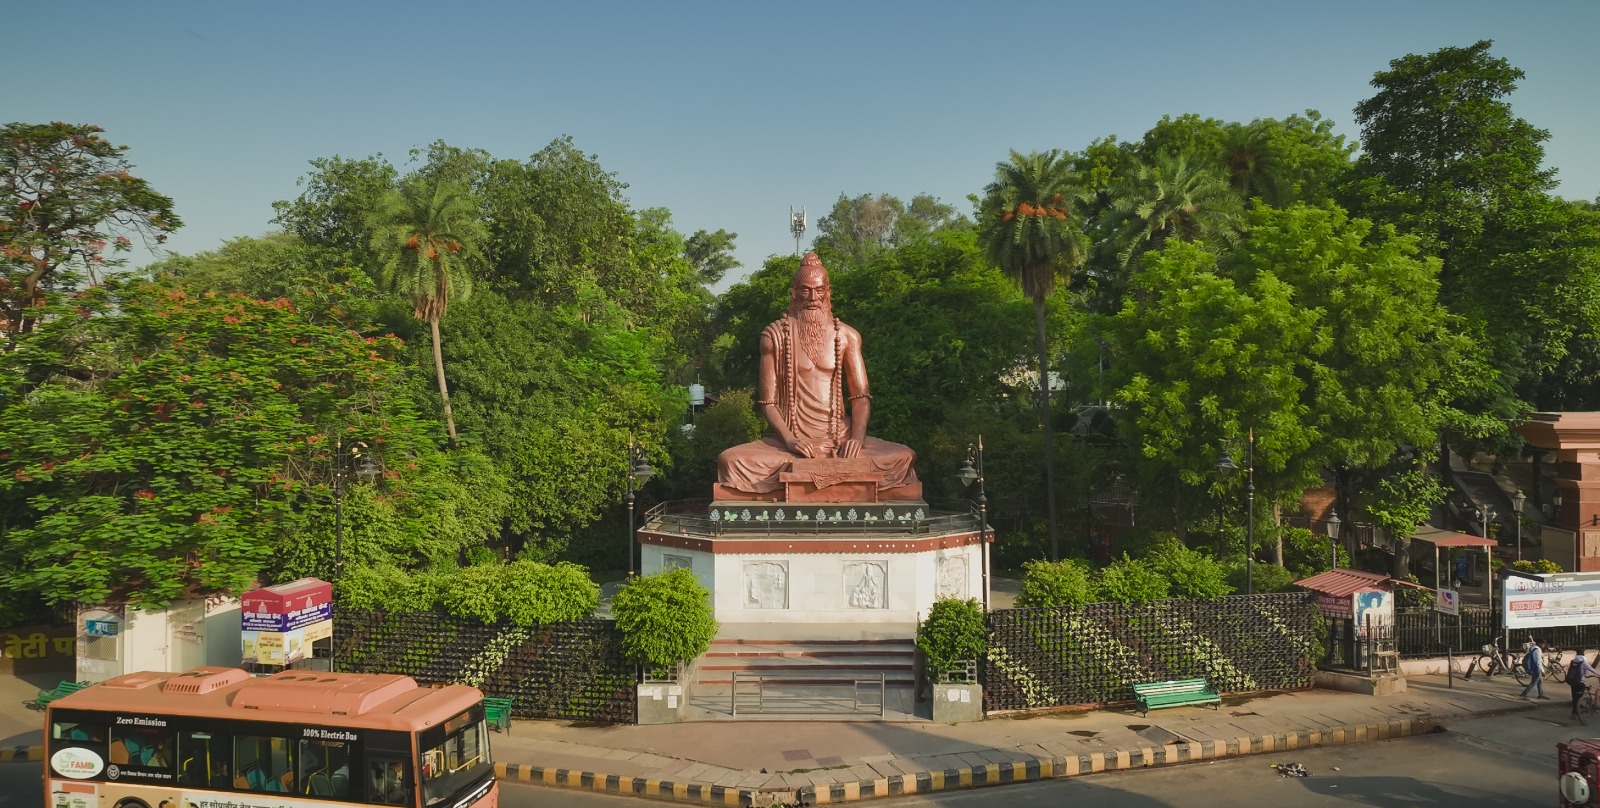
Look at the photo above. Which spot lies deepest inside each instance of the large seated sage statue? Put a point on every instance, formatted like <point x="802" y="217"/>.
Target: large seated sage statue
<point x="813" y="390"/>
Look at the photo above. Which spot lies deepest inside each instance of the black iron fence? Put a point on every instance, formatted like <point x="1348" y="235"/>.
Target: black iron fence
<point x="1094" y="654"/>
<point x="573" y="670"/>
<point x="1421" y="632"/>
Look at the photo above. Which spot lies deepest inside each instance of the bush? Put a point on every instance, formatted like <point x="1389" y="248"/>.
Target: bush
<point x="1132" y="580"/>
<point x="1190" y="573"/>
<point x="665" y="618"/>
<point x="1267" y="577"/>
<point x="954" y="631"/>
<point x="1542" y="566"/>
<point x="534" y="593"/>
<point x="1061" y="583"/>
<point x="524" y="592"/>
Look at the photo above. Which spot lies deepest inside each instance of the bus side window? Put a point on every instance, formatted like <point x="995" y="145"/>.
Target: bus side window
<point x="388" y="782"/>
<point x="72" y="731"/>
<point x="265" y="763"/>
<point x="203" y="759"/>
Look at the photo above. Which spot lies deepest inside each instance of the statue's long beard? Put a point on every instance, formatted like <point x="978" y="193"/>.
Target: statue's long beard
<point x="814" y="332"/>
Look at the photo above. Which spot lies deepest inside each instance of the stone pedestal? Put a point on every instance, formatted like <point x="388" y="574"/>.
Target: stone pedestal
<point x="1377" y="685"/>
<point x="819" y="563"/>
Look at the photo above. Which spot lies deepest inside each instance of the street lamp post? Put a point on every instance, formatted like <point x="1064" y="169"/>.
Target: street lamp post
<point x="1226" y="464"/>
<point x="1517" y="502"/>
<point x="968" y="474"/>
<point x="343" y="456"/>
<point x="1333" y="537"/>
<point x="639" y="472"/>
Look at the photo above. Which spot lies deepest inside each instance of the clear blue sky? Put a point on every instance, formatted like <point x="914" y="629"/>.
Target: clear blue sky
<point x="728" y="113"/>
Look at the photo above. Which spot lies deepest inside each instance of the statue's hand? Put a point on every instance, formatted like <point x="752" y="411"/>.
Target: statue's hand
<point x="850" y="448"/>
<point x="805" y="447"/>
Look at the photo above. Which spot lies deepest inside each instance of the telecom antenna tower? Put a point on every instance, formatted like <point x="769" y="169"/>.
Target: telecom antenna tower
<point x="797" y="226"/>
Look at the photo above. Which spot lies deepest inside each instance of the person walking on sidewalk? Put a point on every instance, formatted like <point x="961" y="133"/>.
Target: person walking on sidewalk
<point x="1533" y="663"/>
<point x="1576" y="671"/>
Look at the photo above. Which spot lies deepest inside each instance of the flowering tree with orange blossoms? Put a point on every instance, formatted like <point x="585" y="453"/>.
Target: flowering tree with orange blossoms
<point x="155" y="443"/>
<point x="68" y="205"/>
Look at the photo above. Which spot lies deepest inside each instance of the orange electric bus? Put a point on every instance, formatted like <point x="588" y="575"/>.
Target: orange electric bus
<point x="220" y="738"/>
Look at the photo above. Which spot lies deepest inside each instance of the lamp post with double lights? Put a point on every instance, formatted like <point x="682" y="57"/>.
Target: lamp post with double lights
<point x="639" y="472"/>
<point x="1226" y="464"/>
<point x="972" y="471"/>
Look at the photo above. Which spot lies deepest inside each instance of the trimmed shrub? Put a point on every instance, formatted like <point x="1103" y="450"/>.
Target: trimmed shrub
<point x="954" y="631"/>
<point x="665" y="618"/>
<point x="1133" y="580"/>
<point x="1061" y="583"/>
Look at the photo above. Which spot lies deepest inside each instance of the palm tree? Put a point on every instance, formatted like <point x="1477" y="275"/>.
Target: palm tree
<point x="426" y="237"/>
<point x="1032" y="230"/>
<point x="1253" y="166"/>
<point x="1171" y="197"/>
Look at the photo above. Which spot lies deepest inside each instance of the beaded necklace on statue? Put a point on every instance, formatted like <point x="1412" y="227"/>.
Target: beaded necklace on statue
<point x="835" y="403"/>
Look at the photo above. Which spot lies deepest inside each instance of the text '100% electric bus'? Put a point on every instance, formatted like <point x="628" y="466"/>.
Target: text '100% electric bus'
<point x="220" y="738"/>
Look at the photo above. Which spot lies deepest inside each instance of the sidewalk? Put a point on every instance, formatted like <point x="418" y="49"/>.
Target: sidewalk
<point x="817" y="762"/>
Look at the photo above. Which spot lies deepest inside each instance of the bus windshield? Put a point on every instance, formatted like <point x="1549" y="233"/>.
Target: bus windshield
<point x="453" y="755"/>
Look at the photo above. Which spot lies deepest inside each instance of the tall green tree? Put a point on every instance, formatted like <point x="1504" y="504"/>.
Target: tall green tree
<point x="711" y="254"/>
<point x="426" y="237"/>
<point x="1173" y="197"/>
<point x="1031" y="229"/>
<point x="157" y="444"/>
<point x="70" y="206"/>
<point x="1444" y="158"/>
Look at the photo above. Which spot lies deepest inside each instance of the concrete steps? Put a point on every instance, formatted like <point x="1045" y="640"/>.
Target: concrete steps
<point x="780" y="662"/>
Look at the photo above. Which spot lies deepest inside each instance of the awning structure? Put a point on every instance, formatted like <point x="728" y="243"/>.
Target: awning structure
<point x="1341" y="582"/>
<point x="1439" y="537"/>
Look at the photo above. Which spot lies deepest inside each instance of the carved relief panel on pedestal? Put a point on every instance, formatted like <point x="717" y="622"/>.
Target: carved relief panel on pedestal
<point x="766" y="584"/>
<point x="864" y="583"/>
<point x="952" y="579"/>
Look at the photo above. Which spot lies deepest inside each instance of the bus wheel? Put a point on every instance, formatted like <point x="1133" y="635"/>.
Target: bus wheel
<point x="132" y="802"/>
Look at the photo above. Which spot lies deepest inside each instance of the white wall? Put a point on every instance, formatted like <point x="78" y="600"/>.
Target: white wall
<point x="187" y="634"/>
<point x="817" y="593"/>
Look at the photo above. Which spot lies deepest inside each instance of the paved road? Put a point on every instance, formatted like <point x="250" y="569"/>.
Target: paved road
<point x="1505" y="761"/>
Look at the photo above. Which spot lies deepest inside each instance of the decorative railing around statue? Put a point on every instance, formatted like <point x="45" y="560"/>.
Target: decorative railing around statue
<point x="698" y="517"/>
<point x="572" y="670"/>
<point x="1056" y="657"/>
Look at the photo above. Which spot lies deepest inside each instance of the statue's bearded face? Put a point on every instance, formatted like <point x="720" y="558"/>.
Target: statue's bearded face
<point x="808" y="297"/>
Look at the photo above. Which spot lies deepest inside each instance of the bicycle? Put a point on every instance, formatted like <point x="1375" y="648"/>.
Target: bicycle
<point x="1586" y="704"/>
<point x="1493" y="659"/>
<point x="1554" y="669"/>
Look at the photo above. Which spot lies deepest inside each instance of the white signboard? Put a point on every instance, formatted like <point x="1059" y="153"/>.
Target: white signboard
<point x="1563" y="599"/>
<point x="1447" y="601"/>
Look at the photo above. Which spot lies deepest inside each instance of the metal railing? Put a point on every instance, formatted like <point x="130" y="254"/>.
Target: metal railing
<point x="782" y="693"/>
<point x="799" y="519"/>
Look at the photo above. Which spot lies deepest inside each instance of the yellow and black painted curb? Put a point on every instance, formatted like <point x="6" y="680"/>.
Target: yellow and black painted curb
<point x="1117" y="760"/>
<point x="704" y="793"/>
<point x="967" y="777"/>
<point x="9" y="754"/>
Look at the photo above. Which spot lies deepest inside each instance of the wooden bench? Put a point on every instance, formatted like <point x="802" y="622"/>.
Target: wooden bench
<point x="62" y="689"/>
<point x="497" y="712"/>
<point x="1176" y="693"/>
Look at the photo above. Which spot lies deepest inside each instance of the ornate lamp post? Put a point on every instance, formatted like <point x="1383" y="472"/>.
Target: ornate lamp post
<point x="968" y="474"/>
<point x="1226" y="464"/>
<point x="639" y="472"/>
<point x="1333" y="537"/>
<point x="1517" y="502"/>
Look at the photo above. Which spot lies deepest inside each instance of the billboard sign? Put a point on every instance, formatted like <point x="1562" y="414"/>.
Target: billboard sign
<point x="1541" y="601"/>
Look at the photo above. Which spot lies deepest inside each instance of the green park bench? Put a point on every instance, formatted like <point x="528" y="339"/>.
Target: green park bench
<point x="497" y="712"/>
<point x="1175" y="693"/>
<point x="62" y="689"/>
